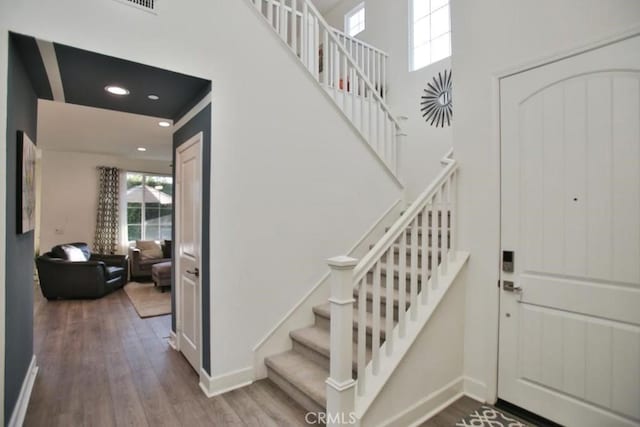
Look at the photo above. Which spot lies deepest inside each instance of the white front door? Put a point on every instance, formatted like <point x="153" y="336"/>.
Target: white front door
<point x="188" y="223"/>
<point x="570" y="336"/>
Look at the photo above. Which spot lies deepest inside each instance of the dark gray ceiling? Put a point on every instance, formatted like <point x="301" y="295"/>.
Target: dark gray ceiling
<point x="85" y="74"/>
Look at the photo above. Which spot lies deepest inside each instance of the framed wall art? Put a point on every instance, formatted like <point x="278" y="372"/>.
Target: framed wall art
<point x="26" y="184"/>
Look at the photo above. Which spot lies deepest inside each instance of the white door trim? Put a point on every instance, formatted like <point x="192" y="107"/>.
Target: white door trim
<point x="199" y="137"/>
<point x="493" y="307"/>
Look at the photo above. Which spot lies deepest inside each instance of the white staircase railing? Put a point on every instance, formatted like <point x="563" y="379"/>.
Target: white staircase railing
<point x="371" y="60"/>
<point x="323" y="53"/>
<point x="427" y="229"/>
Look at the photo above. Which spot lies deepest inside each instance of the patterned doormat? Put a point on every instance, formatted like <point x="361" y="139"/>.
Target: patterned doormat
<point x="487" y="416"/>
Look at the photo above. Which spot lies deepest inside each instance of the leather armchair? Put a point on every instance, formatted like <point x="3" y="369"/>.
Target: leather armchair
<point x="100" y="275"/>
<point x="141" y="267"/>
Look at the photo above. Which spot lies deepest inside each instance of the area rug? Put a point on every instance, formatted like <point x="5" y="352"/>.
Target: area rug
<point x="487" y="416"/>
<point x="148" y="300"/>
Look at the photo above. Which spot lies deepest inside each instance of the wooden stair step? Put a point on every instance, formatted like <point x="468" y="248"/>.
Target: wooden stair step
<point x="299" y="377"/>
<point x="324" y="312"/>
<point x="318" y="340"/>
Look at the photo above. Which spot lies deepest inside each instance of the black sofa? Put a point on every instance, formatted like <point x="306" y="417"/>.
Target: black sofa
<point x="100" y="275"/>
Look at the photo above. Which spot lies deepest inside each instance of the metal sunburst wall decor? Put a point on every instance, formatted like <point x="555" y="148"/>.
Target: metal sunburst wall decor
<point x="436" y="102"/>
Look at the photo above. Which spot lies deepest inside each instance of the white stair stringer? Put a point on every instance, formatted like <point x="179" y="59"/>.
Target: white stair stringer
<point x="401" y="345"/>
<point x="352" y="73"/>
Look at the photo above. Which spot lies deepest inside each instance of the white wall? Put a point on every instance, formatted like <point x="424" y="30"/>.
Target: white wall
<point x="288" y="190"/>
<point x="387" y="28"/>
<point x="434" y="361"/>
<point x="489" y="37"/>
<point x="69" y="193"/>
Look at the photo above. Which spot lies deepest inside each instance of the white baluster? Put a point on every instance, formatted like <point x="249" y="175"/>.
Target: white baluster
<point x="316" y="48"/>
<point x="340" y="384"/>
<point x="444" y="203"/>
<point x="389" y="303"/>
<point x="353" y="90"/>
<point x="402" y="285"/>
<point x="294" y="26"/>
<point x="304" y="49"/>
<point x="325" y="59"/>
<point x="283" y="20"/>
<point x="424" y="271"/>
<point x="270" y="12"/>
<point x="384" y="77"/>
<point x="375" y="318"/>
<point x="434" y="241"/>
<point x="414" y="269"/>
<point x="362" y="336"/>
<point x="453" y="207"/>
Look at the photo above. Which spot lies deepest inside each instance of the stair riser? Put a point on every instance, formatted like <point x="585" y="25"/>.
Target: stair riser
<point x="396" y="282"/>
<point x="323" y="322"/>
<point x="296" y="394"/>
<point x="318" y="357"/>
<point x="383" y="308"/>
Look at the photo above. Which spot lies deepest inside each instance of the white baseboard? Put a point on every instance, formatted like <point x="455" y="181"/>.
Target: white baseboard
<point x="430" y="405"/>
<point x="20" y="410"/>
<point x="213" y="386"/>
<point x="477" y="390"/>
<point x="173" y="340"/>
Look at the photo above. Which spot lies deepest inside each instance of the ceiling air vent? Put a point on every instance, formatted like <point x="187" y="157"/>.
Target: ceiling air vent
<point x="148" y="5"/>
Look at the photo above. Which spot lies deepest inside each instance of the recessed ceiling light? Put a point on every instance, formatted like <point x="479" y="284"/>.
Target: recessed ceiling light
<point x="117" y="90"/>
<point x="164" y="124"/>
<point x="153" y="97"/>
<point x="142" y="149"/>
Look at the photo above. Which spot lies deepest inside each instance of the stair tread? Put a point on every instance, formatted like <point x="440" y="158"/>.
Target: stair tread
<point x="304" y="374"/>
<point x="319" y="340"/>
<point x="324" y="310"/>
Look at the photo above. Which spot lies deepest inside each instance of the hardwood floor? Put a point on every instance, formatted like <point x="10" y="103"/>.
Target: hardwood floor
<point x="101" y="365"/>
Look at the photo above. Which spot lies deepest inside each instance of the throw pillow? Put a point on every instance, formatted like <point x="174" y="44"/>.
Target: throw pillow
<point x="167" y="249"/>
<point x="74" y="254"/>
<point x="149" y="249"/>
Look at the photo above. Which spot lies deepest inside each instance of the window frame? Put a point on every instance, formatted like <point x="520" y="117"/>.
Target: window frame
<point x="145" y="177"/>
<point x="412" y="47"/>
<point x="347" y="17"/>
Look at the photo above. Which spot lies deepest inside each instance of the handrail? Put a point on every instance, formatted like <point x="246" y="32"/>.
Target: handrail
<point x="378" y="250"/>
<point x="356" y="81"/>
<point x="353" y="63"/>
<point x="360" y="42"/>
<point x="409" y="265"/>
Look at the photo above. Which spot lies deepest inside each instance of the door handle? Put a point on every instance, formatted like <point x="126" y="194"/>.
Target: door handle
<point x="509" y="286"/>
<point x="195" y="272"/>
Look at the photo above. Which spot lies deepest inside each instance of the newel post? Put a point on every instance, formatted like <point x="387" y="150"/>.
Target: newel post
<point x="340" y="384"/>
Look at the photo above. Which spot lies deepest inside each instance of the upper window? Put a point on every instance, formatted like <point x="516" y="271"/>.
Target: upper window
<point x="354" y="21"/>
<point x="430" y="36"/>
<point x="149" y="202"/>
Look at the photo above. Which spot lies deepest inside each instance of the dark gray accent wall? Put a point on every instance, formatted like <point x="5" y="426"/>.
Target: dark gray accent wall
<point x="32" y="60"/>
<point x="200" y="123"/>
<point x="22" y="114"/>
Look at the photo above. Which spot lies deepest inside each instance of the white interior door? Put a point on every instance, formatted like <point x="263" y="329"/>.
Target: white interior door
<point x="570" y="337"/>
<point x="188" y="223"/>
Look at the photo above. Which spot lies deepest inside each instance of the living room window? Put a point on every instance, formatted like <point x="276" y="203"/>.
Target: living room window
<point x="149" y="201"/>
<point x="354" y="21"/>
<point x="430" y="32"/>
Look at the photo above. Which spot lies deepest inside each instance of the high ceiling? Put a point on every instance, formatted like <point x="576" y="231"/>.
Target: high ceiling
<point x="80" y="77"/>
<point x="76" y="128"/>
<point x="325" y="5"/>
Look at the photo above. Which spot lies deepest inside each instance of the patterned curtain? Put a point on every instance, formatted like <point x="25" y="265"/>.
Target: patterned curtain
<point x="108" y="218"/>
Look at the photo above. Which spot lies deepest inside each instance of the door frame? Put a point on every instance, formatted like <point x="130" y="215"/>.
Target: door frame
<point x="198" y="137"/>
<point x="494" y="335"/>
